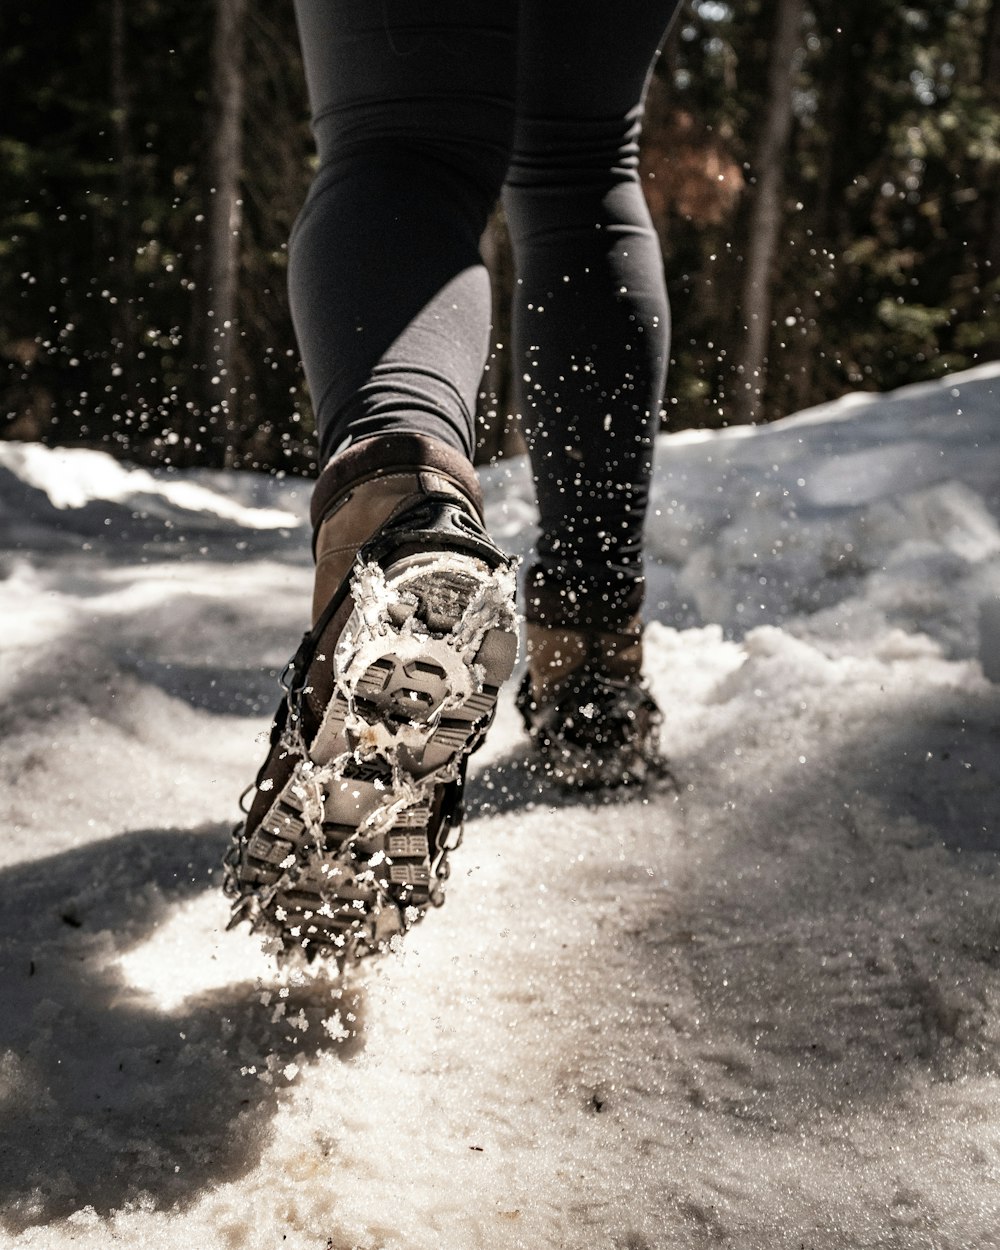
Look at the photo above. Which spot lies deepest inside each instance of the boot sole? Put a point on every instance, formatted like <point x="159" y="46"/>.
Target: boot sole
<point x="350" y="854"/>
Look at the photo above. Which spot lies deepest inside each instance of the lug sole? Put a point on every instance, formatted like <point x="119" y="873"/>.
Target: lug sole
<point x="350" y="853"/>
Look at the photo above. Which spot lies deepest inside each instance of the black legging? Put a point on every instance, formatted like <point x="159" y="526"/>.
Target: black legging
<point x="423" y="110"/>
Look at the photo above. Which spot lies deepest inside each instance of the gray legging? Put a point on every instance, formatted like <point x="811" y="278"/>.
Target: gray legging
<point x="424" y="111"/>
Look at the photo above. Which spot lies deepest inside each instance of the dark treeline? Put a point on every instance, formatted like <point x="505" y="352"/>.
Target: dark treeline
<point x="825" y="180"/>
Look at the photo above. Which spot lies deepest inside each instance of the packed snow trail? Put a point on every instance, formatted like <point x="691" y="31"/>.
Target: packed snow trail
<point x="760" y="1007"/>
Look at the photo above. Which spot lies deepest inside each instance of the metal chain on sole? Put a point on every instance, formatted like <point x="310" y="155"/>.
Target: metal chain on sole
<point x="354" y="848"/>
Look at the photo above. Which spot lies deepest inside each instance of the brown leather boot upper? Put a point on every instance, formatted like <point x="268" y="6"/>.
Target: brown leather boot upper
<point x="368" y="485"/>
<point x="358" y="514"/>
<point x="555" y="654"/>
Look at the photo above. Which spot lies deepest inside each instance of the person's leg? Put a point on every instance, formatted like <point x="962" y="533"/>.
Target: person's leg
<point x="591" y="321"/>
<point x="414" y="630"/>
<point x="591" y="340"/>
<point x="412" y="106"/>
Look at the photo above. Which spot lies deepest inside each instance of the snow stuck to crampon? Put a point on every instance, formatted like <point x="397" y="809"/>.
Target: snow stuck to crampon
<point x="758" y="1008"/>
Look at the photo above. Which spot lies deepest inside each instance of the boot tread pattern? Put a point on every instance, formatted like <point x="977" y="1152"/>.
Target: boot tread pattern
<point x="353" y="849"/>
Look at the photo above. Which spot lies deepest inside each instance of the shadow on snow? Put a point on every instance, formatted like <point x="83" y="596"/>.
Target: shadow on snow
<point x="109" y="1100"/>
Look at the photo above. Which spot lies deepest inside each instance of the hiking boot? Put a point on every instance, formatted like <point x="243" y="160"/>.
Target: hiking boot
<point x="359" y="801"/>
<point x="587" y="708"/>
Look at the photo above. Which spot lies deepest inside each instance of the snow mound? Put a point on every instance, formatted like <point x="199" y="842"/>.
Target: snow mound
<point x="48" y="493"/>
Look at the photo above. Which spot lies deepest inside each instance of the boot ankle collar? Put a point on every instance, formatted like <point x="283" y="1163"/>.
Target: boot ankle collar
<point x="391" y="453"/>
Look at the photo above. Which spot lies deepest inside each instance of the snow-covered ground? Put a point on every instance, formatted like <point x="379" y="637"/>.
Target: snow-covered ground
<point x="760" y="1010"/>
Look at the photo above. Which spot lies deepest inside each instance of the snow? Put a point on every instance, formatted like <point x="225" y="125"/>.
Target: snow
<point x="758" y="1008"/>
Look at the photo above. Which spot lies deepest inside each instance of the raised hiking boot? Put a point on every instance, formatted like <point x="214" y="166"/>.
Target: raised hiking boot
<point x="588" y="709"/>
<point x="358" y="803"/>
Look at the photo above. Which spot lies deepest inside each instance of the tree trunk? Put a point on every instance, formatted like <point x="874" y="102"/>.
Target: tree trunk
<point x="224" y="223"/>
<point x="124" y="344"/>
<point x="991" y="174"/>
<point x="766" y="211"/>
<point x="838" y="78"/>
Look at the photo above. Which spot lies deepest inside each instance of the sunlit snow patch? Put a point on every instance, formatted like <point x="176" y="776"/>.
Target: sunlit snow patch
<point x="72" y="477"/>
<point x="189" y="954"/>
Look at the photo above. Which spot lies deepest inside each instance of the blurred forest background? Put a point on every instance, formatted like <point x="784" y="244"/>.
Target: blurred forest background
<point x="825" y="179"/>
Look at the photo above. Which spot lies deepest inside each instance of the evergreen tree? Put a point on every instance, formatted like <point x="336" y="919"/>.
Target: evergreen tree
<point x="883" y="215"/>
